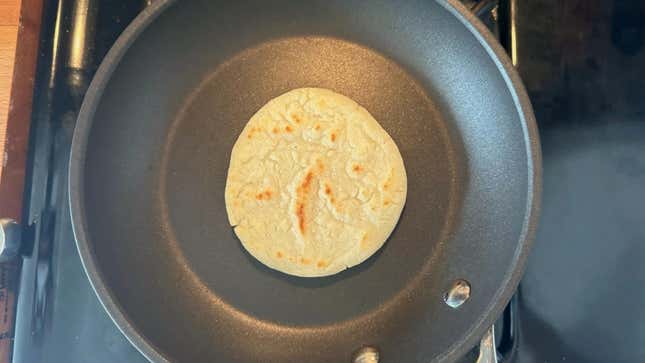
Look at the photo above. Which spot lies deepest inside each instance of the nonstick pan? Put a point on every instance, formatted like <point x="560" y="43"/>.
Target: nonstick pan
<point x="151" y="151"/>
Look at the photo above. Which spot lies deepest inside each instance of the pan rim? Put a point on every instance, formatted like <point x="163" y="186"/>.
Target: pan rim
<point x="85" y="120"/>
<point x="460" y="12"/>
<point x="534" y="178"/>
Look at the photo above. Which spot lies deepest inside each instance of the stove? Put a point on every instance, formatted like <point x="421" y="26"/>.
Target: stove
<point x="581" y="298"/>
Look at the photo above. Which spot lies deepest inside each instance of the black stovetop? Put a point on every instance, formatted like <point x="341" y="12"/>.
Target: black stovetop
<point x="581" y="298"/>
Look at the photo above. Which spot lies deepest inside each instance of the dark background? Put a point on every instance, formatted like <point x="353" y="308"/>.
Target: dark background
<point x="582" y="298"/>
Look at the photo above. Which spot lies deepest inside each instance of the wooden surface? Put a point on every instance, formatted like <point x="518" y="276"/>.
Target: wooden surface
<point x="19" y="39"/>
<point x="9" y="24"/>
<point x="9" y="20"/>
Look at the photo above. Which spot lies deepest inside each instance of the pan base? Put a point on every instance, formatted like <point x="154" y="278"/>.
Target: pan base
<point x="196" y="159"/>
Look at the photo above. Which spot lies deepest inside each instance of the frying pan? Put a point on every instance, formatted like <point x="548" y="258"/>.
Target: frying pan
<point x="151" y="150"/>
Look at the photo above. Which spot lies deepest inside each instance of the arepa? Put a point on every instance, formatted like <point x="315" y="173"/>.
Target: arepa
<point x="315" y="185"/>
